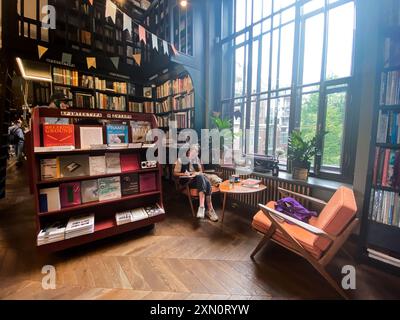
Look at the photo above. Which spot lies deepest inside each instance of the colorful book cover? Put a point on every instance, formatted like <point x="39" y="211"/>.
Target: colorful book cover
<point x="70" y="194"/>
<point x="74" y="166"/>
<point x="49" y="200"/>
<point x="90" y="136"/>
<point x="97" y="165"/>
<point x="129" y="162"/>
<point x="109" y="188"/>
<point x="129" y="184"/>
<point x="148" y="182"/>
<point x="55" y="135"/>
<point x="117" y="134"/>
<point x="49" y="169"/>
<point x="89" y="191"/>
<point x="385" y="168"/>
<point x="113" y="163"/>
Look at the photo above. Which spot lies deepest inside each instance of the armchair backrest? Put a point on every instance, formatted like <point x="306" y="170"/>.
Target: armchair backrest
<point x="339" y="211"/>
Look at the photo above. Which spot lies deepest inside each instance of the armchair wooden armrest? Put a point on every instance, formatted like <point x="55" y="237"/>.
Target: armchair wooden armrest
<point x="316" y="201"/>
<point x="319" y="232"/>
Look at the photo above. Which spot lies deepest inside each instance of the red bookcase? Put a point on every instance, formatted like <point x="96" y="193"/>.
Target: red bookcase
<point x="104" y="211"/>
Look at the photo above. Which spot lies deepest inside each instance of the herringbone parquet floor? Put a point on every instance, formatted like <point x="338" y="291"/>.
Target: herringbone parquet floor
<point x="179" y="259"/>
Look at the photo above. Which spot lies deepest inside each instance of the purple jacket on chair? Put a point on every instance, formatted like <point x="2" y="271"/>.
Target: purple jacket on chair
<point x="293" y="208"/>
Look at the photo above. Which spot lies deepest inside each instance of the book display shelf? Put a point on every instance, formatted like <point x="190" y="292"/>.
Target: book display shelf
<point x="88" y="176"/>
<point x="380" y="232"/>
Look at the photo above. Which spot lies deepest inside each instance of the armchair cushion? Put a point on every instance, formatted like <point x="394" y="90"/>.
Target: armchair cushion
<point x="308" y="240"/>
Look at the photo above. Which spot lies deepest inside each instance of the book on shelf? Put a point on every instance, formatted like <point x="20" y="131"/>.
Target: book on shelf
<point x="163" y="107"/>
<point x="148" y="107"/>
<point x="139" y="214"/>
<point x="131" y="89"/>
<point x="53" y="149"/>
<point x="388" y="127"/>
<point x="65" y="77"/>
<point x="89" y="191"/>
<point x="122" y="218"/>
<point x="117" y="134"/>
<point x="181" y="102"/>
<point x="84" y="101"/>
<point x="140" y="130"/>
<point x="51" y="120"/>
<point x="56" y="135"/>
<point x="162" y="122"/>
<point x="164" y="90"/>
<point x="182" y="85"/>
<point x="106" y="102"/>
<point x="97" y="165"/>
<point x="98" y="147"/>
<point x="135" y="107"/>
<point x="148" y="92"/>
<point x="154" y="210"/>
<point x="129" y="162"/>
<point x="391" y="52"/>
<point x="79" y="226"/>
<point x="54" y="232"/>
<point x="387" y="168"/>
<point x="385" y="207"/>
<point x="148" y="182"/>
<point x="90" y="135"/>
<point x="87" y="82"/>
<point x="390" y="88"/>
<point x="129" y="184"/>
<point x="109" y="188"/>
<point x="113" y="163"/>
<point x="112" y="86"/>
<point x="49" y="200"/>
<point x="74" y="166"/>
<point x="117" y="146"/>
<point x="70" y="194"/>
<point x="49" y="169"/>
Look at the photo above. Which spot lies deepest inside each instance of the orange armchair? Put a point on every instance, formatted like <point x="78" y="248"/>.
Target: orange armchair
<point x="317" y="241"/>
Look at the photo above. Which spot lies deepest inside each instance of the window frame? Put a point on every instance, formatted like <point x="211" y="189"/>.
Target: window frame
<point x="296" y="88"/>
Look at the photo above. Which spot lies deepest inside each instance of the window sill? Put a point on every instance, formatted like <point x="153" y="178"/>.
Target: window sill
<point x="312" y="182"/>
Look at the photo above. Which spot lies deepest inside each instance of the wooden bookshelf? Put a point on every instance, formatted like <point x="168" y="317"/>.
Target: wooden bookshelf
<point x="104" y="211"/>
<point x="380" y="229"/>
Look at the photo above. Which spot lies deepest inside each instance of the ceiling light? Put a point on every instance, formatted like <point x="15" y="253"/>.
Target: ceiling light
<point x="184" y="3"/>
<point x="31" y="75"/>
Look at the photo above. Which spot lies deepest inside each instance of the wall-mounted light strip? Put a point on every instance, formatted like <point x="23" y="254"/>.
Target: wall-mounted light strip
<point x="29" y="77"/>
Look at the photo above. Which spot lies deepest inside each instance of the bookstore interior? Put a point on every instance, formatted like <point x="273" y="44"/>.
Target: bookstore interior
<point x="199" y="149"/>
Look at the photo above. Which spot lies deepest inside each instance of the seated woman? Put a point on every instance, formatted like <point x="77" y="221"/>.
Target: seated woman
<point x="199" y="182"/>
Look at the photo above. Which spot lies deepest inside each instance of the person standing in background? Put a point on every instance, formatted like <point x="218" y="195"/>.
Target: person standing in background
<point x="17" y="138"/>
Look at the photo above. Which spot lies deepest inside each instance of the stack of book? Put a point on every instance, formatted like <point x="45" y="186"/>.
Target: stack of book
<point x="135" y="107"/>
<point x="106" y="102"/>
<point x="84" y="101"/>
<point x="65" y="77"/>
<point x="79" y="226"/>
<point x="387" y="168"/>
<point x="164" y="90"/>
<point x="148" y="107"/>
<point x="385" y="207"/>
<point x="53" y="233"/>
<point x="390" y="88"/>
<point x="182" y="85"/>
<point x="138" y="214"/>
<point x="388" y="127"/>
<point x="164" y="106"/>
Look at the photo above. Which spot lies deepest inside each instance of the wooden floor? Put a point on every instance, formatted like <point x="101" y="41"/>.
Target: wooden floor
<point x="179" y="259"/>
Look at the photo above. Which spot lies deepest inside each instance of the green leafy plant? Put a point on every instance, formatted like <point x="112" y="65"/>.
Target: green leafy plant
<point x="301" y="151"/>
<point x="221" y="124"/>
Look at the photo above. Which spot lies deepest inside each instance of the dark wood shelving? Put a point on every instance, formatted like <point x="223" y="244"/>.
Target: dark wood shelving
<point x="390" y="107"/>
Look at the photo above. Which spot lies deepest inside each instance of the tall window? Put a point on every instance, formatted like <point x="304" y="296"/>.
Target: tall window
<point x="288" y="64"/>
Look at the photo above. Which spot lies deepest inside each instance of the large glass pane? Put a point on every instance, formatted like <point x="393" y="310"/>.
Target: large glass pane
<point x="30" y="9"/>
<point x="275" y="48"/>
<point x="281" y="4"/>
<point x="262" y="129"/>
<point x="340" y="41"/>
<point x="249" y="12"/>
<point x="286" y="56"/>
<point x="240" y="71"/>
<point x="238" y="124"/>
<point x="282" y="128"/>
<point x="257" y="10"/>
<point x="313" y="47"/>
<point x="253" y="120"/>
<point x="335" y="117"/>
<point x="265" y="60"/>
<point x="267" y="8"/>
<point x="309" y="114"/>
<point x="312" y="6"/>
<point x="272" y="126"/>
<point x="254" y="68"/>
<point x="240" y="15"/>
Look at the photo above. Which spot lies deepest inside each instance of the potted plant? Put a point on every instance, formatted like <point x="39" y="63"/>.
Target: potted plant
<point x="301" y="151"/>
<point x="225" y="127"/>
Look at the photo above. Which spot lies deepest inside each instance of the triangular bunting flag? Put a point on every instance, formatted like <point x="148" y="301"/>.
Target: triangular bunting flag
<point x="138" y="58"/>
<point x="165" y="46"/>
<point x="66" y="59"/>
<point x="154" y="41"/>
<point x="142" y="34"/>
<point x="174" y="50"/>
<point x="42" y="50"/>
<point x="111" y="10"/>
<point x="127" y="23"/>
<point x="115" y="61"/>
<point x="91" y="62"/>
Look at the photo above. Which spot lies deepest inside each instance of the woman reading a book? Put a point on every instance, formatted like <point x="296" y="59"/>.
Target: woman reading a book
<point x="192" y="169"/>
